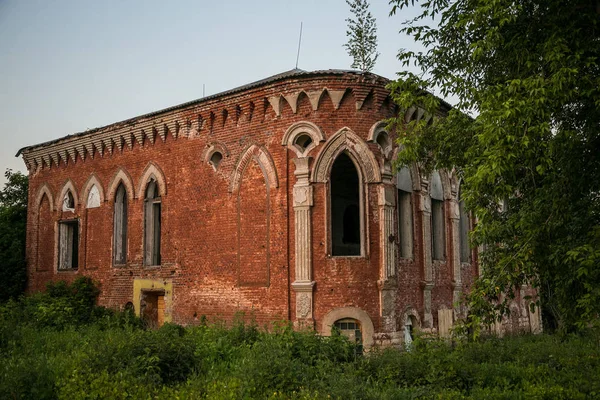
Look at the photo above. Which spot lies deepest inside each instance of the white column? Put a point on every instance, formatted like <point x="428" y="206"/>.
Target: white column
<point x="427" y="257"/>
<point x="387" y="283"/>
<point x="457" y="278"/>
<point x="303" y="283"/>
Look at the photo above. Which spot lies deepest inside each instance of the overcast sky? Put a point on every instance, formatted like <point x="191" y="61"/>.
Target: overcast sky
<point x="66" y="66"/>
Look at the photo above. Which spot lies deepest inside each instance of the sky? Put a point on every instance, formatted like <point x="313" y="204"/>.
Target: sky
<point x="68" y="66"/>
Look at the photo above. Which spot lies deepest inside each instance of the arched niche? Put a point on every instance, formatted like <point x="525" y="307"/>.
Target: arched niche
<point x="262" y="156"/>
<point x="87" y="192"/>
<point x="44" y="190"/>
<point x="346" y="140"/>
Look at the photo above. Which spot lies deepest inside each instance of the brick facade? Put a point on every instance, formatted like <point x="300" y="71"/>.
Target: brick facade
<point x="251" y="231"/>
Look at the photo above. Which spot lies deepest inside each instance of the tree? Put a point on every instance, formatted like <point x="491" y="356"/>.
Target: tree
<point x="362" y="36"/>
<point x="13" y="223"/>
<point x="528" y="73"/>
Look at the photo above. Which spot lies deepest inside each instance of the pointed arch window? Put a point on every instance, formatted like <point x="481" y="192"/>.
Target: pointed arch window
<point x="438" y="236"/>
<point x="346" y="229"/>
<point x="152" y="223"/>
<point x="120" y="226"/>
<point x="405" y="212"/>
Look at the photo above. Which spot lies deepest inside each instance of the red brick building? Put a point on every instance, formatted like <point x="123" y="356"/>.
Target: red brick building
<point x="277" y="199"/>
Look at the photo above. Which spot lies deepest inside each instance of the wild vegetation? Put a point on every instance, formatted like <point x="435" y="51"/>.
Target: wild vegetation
<point x="527" y="73"/>
<point x="59" y="345"/>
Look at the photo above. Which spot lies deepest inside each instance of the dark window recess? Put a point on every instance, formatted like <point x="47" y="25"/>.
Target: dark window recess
<point x="465" y="250"/>
<point x="68" y="246"/>
<point x="152" y="215"/>
<point x="120" y="226"/>
<point x="405" y="213"/>
<point x="438" y="234"/>
<point x="345" y="208"/>
<point x="302" y="142"/>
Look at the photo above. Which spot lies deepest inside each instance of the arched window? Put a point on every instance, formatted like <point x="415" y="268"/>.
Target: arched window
<point x="120" y="226"/>
<point x="68" y="202"/>
<point x="345" y="208"/>
<point x="464" y="225"/>
<point x="350" y="328"/>
<point x="152" y="222"/>
<point x="438" y="237"/>
<point x="405" y="212"/>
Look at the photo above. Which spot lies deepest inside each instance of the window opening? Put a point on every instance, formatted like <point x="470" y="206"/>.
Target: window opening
<point x="408" y="333"/>
<point x="437" y="217"/>
<point x="69" y="202"/>
<point x="120" y="226"/>
<point x="345" y="208"/>
<point x="216" y="159"/>
<point x="302" y="142"/>
<point x="152" y="204"/>
<point x="405" y="213"/>
<point x="465" y="251"/>
<point x="68" y="246"/>
<point x="350" y="328"/>
<point x="383" y="142"/>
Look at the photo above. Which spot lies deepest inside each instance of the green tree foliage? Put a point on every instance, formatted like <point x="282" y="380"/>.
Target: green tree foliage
<point x="529" y="159"/>
<point x="13" y="222"/>
<point x="362" y="36"/>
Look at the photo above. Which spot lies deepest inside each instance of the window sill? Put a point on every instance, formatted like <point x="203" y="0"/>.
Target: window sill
<point x="67" y="270"/>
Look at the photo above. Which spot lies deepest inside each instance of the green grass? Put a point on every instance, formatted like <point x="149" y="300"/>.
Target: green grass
<point x="92" y="353"/>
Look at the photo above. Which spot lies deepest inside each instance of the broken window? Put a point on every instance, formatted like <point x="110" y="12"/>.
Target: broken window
<point x="152" y="208"/>
<point x="350" y="328"/>
<point x="68" y="245"/>
<point x="438" y="236"/>
<point x="345" y="208"/>
<point x="120" y="226"/>
<point x="68" y="202"/>
<point x="405" y="217"/>
<point x="465" y="251"/>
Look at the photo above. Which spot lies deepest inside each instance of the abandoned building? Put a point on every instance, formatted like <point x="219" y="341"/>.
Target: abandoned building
<point x="277" y="199"/>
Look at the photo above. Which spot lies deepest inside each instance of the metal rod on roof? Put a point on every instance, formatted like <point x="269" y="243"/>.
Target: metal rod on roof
<point x="203" y="90"/>
<point x="299" y="42"/>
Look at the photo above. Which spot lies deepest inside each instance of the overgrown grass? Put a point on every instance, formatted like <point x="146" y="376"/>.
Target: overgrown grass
<point x="52" y="349"/>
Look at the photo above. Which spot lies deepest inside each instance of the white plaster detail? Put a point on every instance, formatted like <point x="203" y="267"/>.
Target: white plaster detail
<point x="346" y="140"/>
<point x="302" y="128"/>
<point x="350" y="312"/>
<point x="93" y="200"/>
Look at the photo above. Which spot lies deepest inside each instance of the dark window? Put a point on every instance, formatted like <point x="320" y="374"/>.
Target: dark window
<point x="438" y="237"/>
<point x="405" y="213"/>
<point x="68" y="245"/>
<point x="345" y="208"/>
<point x="465" y="251"/>
<point x="216" y="159"/>
<point x="152" y="211"/>
<point x="120" y="226"/>
<point x="302" y="142"/>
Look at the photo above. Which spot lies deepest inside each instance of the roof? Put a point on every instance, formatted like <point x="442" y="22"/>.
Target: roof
<point x="271" y="79"/>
